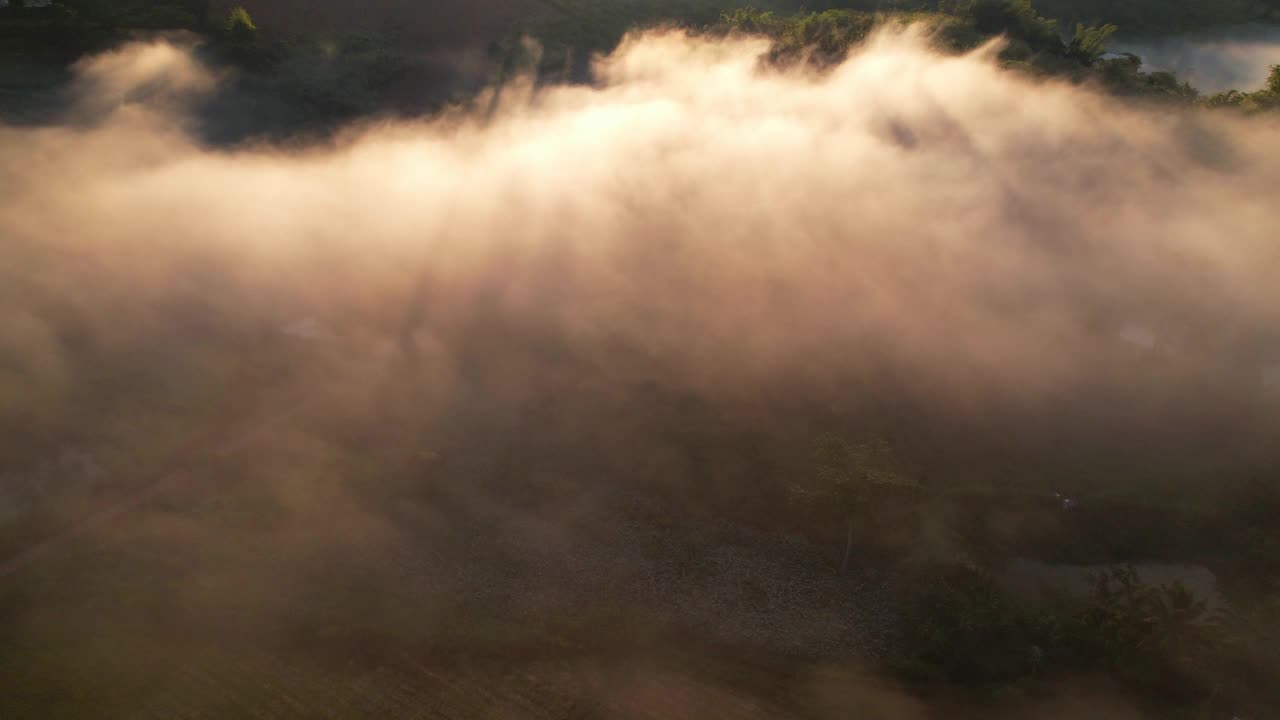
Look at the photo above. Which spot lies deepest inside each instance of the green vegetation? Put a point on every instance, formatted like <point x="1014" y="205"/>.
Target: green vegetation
<point x="1268" y="98"/>
<point x="312" y="87"/>
<point x="238" y="42"/>
<point x="962" y="626"/>
<point x="826" y="38"/>
<point x="240" y="26"/>
<point x="858" y="481"/>
<point x="1124" y="76"/>
<point x="1163" y="16"/>
<point x="1034" y="42"/>
<point x="963" y="623"/>
<point x="1015" y="18"/>
<point x="1090" y="43"/>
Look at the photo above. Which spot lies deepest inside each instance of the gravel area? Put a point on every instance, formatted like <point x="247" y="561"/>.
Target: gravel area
<point x="771" y="591"/>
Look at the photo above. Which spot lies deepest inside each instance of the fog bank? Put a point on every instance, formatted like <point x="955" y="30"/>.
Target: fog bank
<point x="415" y="370"/>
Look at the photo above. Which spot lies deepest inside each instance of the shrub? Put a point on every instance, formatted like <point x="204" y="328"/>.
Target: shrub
<point x="961" y="626"/>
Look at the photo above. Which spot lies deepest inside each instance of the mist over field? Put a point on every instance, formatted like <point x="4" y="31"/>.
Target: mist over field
<point x="253" y="391"/>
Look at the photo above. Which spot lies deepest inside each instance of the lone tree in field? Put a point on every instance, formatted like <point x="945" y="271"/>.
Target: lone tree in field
<point x="850" y="478"/>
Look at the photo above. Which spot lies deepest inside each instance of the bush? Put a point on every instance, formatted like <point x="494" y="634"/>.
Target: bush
<point x="962" y="627"/>
<point x="1127" y="618"/>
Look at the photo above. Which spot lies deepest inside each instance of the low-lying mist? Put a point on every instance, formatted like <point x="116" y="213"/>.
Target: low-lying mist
<point x="691" y="219"/>
<point x="675" y="277"/>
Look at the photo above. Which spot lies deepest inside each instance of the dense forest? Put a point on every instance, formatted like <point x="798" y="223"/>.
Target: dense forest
<point x="318" y="67"/>
<point x="389" y="476"/>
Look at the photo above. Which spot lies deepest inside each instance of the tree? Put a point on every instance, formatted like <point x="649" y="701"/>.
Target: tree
<point x="1090" y="43"/>
<point x="850" y="478"/>
<point x="1132" y="618"/>
<point x="959" y="624"/>
<point x="240" y="27"/>
<point x="1267" y="98"/>
<point x="239" y="43"/>
<point x="1018" y="19"/>
<point x="750" y="20"/>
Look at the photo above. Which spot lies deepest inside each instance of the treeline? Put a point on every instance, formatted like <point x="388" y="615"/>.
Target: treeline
<point x="1037" y="43"/>
<point x="1268" y="98"/>
<point x="826" y="37"/>
<point x="1164" y="644"/>
<point x="289" y="83"/>
<point x="68" y="29"/>
<point x="1151" y="17"/>
<point x="570" y="32"/>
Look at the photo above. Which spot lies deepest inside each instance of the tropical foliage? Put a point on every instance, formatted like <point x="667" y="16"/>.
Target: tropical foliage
<point x="1267" y="98"/>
